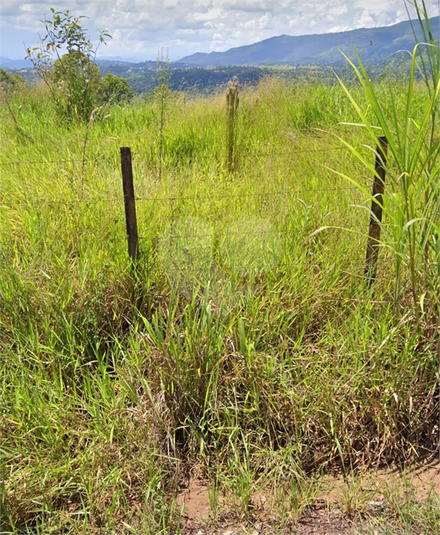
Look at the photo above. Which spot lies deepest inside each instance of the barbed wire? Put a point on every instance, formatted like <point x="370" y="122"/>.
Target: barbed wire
<point x="293" y="152"/>
<point x="247" y="154"/>
<point x="197" y="197"/>
<point x="244" y="195"/>
<point x="36" y="162"/>
<point x="79" y="201"/>
<point x="148" y="153"/>
<point x="40" y="162"/>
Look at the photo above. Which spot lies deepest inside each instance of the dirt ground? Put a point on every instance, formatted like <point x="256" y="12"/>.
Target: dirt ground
<point x="341" y="507"/>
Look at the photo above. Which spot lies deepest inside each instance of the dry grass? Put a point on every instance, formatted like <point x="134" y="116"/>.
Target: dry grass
<point x="274" y="371"/>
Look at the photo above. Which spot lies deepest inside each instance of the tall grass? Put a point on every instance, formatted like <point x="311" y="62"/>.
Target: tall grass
<point x="412" y="130"/>
<point x="259" y="375"/>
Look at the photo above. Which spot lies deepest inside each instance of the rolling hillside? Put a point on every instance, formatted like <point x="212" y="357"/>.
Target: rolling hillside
<point x="373" y="45"/>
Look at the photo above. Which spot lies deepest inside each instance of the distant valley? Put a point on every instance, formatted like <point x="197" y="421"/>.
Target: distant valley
<point x="289" y="56"/>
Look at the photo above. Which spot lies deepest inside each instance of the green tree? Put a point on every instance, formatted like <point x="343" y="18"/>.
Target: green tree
<point x="73" y="78"/>
<point x="75" y="81"/>
<point x="115" y="89"/>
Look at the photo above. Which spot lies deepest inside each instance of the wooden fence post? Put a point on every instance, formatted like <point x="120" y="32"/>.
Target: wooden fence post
<point x="232" y="106"/>
<point x="376" y="210"/>
<point x="130" y="204"/>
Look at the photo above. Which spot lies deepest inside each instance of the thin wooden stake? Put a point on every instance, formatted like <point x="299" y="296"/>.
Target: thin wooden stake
<point x="232" y="101"/>
<point x="376" y="210"/>
<point x="130" y="204"/>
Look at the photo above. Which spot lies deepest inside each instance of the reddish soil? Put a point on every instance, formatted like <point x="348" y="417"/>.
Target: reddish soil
<point x="340" y="509"/>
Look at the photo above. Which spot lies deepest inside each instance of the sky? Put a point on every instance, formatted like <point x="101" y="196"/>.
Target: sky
<point x="144" y="29"/>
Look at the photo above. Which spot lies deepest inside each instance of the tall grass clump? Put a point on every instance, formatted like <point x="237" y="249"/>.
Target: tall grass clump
<point x="252" y="356"/>
<point x="412" y="200"/>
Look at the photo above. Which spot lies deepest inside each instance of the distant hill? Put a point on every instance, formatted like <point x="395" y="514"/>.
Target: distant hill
<point x="142" y="77"/>
<point x="373" y="45"/>
<point x="6" y="63"/>
<point x="290" y="57"/>
<point x="109" y="64"/>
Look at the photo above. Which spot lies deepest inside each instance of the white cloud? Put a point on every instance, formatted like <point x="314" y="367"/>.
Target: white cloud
<point x="142" y="28"/>
<point x="365" y="19"/>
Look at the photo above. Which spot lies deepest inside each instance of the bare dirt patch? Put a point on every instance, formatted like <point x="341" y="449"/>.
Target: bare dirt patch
<point x="343" y="507"/>
<point x="195" y="500"/>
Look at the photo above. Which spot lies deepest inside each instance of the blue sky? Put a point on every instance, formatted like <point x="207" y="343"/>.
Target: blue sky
<point x="142" y="28"/>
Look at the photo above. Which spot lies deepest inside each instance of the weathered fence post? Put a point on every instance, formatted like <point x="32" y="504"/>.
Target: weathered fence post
<point x="376" y="210"/>
<point x="130" y="203"/>
<point x="232" y="104"/>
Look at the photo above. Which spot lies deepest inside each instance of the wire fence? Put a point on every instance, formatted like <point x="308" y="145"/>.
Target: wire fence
<point x="294" y="151"/>
<point x="200" y="234"/>
<point x="178" y="197"/>
<point x="197" y="197"/>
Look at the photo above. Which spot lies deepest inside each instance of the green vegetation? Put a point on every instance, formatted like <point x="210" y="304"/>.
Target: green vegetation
<point x="143" y="77"/>
<point x="73" y="78"/>
<point x="246" y="347"/>
<point x="10" y="82"/>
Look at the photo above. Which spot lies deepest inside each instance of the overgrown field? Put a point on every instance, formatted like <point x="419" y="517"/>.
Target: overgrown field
<point x="246" y="347"/>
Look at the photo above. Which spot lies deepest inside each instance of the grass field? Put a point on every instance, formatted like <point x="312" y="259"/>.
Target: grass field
<point x="245" y="348"/>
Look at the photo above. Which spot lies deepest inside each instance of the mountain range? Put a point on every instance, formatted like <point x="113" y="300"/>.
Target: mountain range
<point x="6" y="63"/>
<point x="287" y="56"/>
<point x="372" y="44"/>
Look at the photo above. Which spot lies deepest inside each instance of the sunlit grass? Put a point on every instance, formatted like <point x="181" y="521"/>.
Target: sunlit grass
<point x="264" y="371"/>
